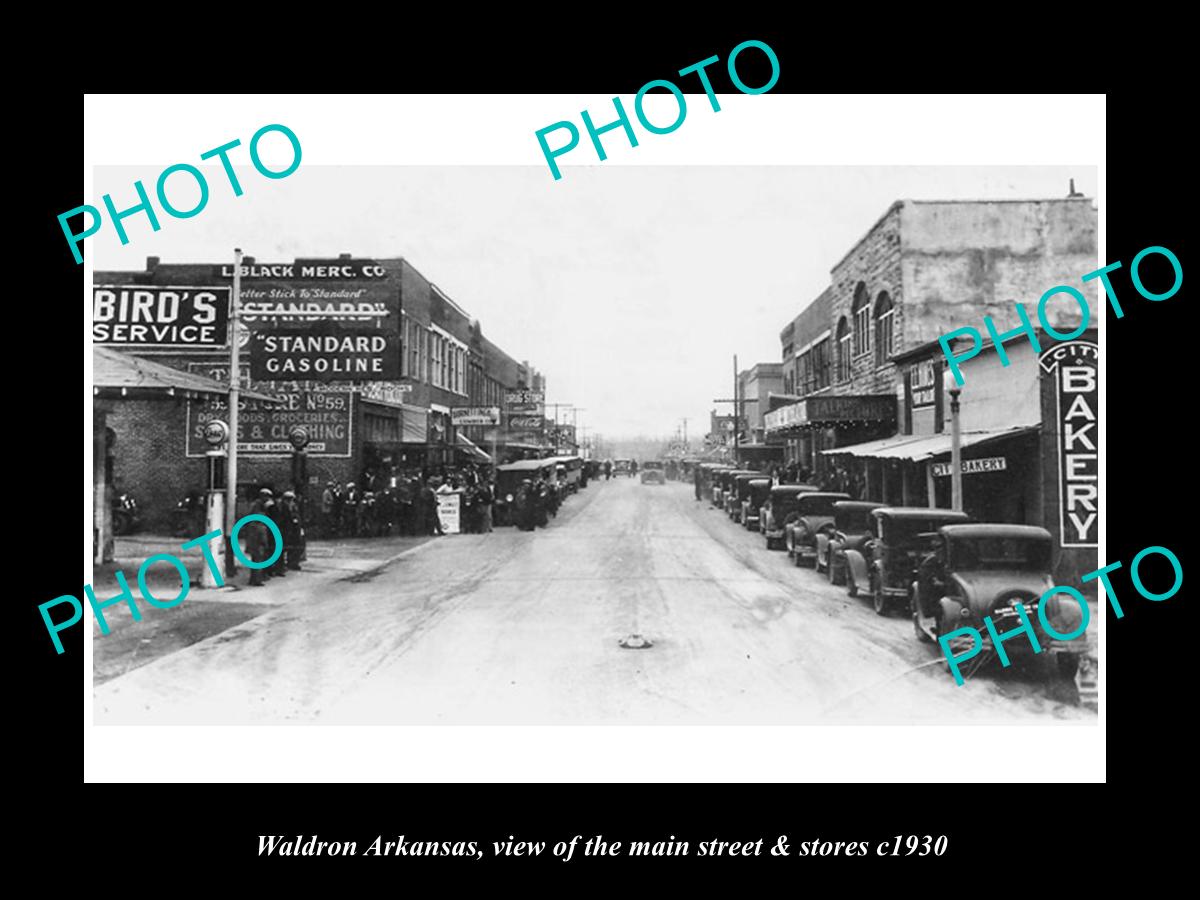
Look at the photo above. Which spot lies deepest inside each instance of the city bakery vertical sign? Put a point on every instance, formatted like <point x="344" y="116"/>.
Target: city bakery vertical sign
<point x="1072" y="368"/>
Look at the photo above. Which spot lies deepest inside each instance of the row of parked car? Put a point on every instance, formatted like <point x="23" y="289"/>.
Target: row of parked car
<point x="936" y="566"/>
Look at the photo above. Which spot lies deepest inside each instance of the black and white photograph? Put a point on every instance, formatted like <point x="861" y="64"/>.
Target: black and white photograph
<point x="648" y="445"/>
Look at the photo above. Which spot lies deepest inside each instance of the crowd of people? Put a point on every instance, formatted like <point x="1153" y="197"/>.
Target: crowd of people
<point x="406" y="505"/>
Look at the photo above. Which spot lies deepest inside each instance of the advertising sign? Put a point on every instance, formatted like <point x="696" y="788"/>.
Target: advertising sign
<point x="525" y="423"/>
<point x="151" y="316"/>
<point x="515" y="398"/>
<point x="325" y="351"/>
<point x="922" y="382"/>
<point x="325" y="416"/>
<point x="1074" y="365"/>
<point x="974" y="466"/>
<point x="448" y="510"/>
<point x="475" y="415"/>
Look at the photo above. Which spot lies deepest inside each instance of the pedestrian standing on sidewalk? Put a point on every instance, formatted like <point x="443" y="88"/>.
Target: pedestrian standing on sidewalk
<point x="433" y="524"/>
<point x="258" y="537"/>
<point x="292" y="530"/>
<point x="485" y="499"/>
<point x="328" y="517"/>
<point x="277" y="514"/>
<point x="350" y="501"/>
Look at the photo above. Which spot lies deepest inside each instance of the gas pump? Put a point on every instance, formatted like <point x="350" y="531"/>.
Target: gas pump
<point x="216" y="434"/>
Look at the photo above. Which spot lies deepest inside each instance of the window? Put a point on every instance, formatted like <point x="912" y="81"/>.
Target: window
<point x="885" y="315"/>
<point x="821" y="364"/>
<point x="423" y="361"/>
<point x="860" y="310"/>
<point x="843" y="350"/>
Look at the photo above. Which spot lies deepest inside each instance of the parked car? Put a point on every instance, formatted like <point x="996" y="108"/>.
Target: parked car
<point x="739" y="491"/>
<point x="757" y="492"/>
<point x="851" y="530"/>
<point x="508" y="482"/>
<point x="886" y="566"/>
<point x="780" y="510"/>
<point x="985" y="569"/>
<point x="623" y="467"/>
<point x="814" y="514"/>
<point x="726" y="481"/>
<point x="652" y="472"/>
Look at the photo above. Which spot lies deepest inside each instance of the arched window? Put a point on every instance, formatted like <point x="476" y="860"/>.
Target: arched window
<point x="860" y="312"/>
<point x="843" y="350"/>
<point x="885" y="317"/>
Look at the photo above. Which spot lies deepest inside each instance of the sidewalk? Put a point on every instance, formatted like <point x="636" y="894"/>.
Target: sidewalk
<point x="209" y="611"/>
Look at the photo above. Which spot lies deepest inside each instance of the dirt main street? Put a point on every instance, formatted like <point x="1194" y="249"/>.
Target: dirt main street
<point x="524" y="628"/>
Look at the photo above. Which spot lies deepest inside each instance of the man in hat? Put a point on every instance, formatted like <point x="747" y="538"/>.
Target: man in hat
<point x="258" y="538"/>
<point x="350" y="500"/>
<point x="292" y="530"/>
<point x="329" y="510"/>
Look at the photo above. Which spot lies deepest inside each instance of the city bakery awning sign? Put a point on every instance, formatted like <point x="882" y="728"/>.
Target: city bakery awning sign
<point x="1073" y="365"/>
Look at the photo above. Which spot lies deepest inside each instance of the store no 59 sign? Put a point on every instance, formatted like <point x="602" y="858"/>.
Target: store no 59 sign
<point x="1072" y="367"/>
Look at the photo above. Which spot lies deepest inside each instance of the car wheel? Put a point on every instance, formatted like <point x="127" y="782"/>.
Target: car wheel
<point x="819" y="566"/>
<point x="832" y="571"/>
<point x="878" y="600"/>
<point x="121" y="522"/>
<point x="851" y="584"/>
<point x="1068" y="664"/>
<point x="922" y="634"/>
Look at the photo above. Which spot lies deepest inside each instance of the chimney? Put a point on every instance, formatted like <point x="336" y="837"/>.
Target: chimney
<point x="247" y="260"/>
<point x="151" y="263"/>
<point x="345" y="256"/>
<point x="1074" y="194"/>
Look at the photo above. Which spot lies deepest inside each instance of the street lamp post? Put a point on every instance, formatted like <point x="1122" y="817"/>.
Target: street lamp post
<point x="956" y="495"/>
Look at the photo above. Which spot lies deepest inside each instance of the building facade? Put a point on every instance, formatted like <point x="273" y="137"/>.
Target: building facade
<point x="428" y="357"/>
<point x="873" y="412"/>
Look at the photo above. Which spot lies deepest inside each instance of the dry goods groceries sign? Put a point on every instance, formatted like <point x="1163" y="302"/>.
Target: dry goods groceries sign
<point x="266" y="429"/>
<point x="187" y="317"/>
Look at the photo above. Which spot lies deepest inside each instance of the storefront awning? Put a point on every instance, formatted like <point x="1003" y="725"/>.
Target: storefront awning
<point x="414" y="425"/>
<point x="467" y="444"/>
<point x="920" y="447"/>
<point x="117" y="374"/>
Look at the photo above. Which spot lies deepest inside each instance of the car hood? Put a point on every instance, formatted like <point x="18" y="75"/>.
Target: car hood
<point x="815" y="523"/>
<point x="982" y="589"/>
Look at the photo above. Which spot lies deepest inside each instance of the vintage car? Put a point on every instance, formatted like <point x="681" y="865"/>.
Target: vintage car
<point x="570" y="472"/>
<point x="886" y="566"/>
<point x="714" y="481"/>
<point x="727" y="487"/>
<point x="652" y="472"/>
<point x="851" y="530"/>
<point x="623" y="467"/>
<point x="985" y="569"/>
<point x="738" y="483"/>
<point x="759" y="489"/>
<point x="739" y="492"/>
<point x="814" y="514"/>
<point x="508" y="482"/>
<point x="780" y="510"/>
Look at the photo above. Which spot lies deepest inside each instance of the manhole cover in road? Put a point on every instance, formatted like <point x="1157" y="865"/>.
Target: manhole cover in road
<point x="635" y="642"/>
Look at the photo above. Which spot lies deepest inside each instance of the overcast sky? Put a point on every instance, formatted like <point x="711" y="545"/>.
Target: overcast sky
<point x="630" y="287"/>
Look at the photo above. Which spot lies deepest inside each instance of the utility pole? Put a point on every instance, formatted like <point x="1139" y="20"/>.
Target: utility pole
<point x="738" y="402"/>
<point x="231" y="468"/>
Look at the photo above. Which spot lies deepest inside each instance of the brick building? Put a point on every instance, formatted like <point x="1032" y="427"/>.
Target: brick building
<point x="872" y="414"/>
<point x="357" y="429"/>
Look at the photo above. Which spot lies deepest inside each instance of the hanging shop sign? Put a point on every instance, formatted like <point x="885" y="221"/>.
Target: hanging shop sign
<point x="512" y="398"/>
<point x="923" y="384"/>
<point x="1073" y="366"/>
<point x="974" y="466"/>
<point x="152" y="316"/>
<point x="325" y="416"/>
<point x="475" y="415"/>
